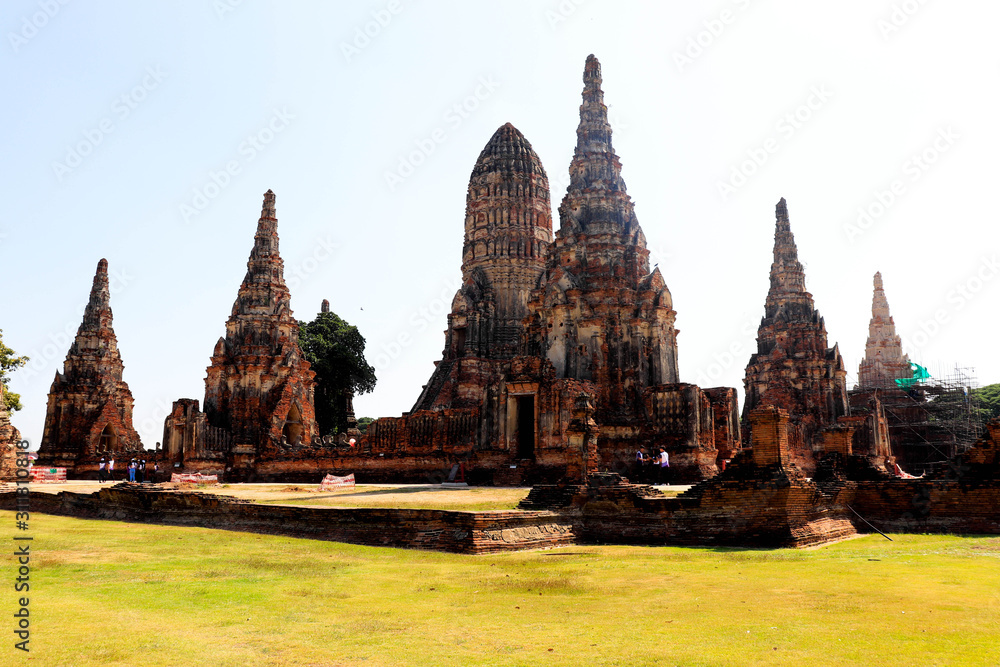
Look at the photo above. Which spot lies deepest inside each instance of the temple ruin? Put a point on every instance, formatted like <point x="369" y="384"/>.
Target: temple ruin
<point x="884" y="361"/>
<point x="258" y="388"/>
<point x="927" y="421"/>
<point x="89" y="413"/>
<point x="560" y="355"/>
<point x="793" y="369"/>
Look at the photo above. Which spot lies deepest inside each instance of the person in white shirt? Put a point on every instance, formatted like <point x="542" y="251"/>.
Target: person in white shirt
<point x="664" y="461"/>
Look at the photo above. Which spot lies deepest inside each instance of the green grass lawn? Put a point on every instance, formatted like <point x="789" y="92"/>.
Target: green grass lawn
<point x="108" y="593"/>
<point x="418" y="497"/>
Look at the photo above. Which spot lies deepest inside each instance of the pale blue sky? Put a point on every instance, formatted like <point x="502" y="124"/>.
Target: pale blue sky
<point x="201" y="84"/>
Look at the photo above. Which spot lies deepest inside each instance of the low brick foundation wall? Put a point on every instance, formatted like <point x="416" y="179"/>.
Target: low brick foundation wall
<point x="439" y="530"/>
<point x="930" y="506"/>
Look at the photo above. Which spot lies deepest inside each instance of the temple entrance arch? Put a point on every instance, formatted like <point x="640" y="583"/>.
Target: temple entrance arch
<point x="108" y="442"/>
<point x="292" y="431"/>
<point x="522" y="419"/>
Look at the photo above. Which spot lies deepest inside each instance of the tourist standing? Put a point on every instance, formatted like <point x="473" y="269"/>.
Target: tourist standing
<point x="640" y="460"/>
<point x="141" y="471"/>
<point x="156" y="473"/>
<point x="100" y="471"/>
<point x="664" y="461"/>
<point x="131" y="470"/>
<point x="111" y="468"/>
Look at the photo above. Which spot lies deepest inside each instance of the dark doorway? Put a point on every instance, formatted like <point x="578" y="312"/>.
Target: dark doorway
<point x="460" y="342"/>
<point x="526" y="427"/>
<point x="292" y="431"/>
<point x="108" y="441"/>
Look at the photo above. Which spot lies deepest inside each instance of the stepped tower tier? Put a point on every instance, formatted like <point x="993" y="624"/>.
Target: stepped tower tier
<point x="793" y="369"/>
<point x="259" y="387"/>
<point x="508" y="228"/>
<point x="601" y="314"/>
<point x="884" y="361"/>
<point x="89" y="412"/>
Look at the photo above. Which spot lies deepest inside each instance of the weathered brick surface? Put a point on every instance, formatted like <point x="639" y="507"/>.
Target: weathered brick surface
<point x="588" y="316"/>
<point x="462" y="532"/>
<point x="89" y="412"/>
<point x="884" y="360"/>
<point x="793" y="368"/>
<point x="259" y="389"/>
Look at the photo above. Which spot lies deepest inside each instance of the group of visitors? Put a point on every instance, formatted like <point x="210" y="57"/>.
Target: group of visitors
<point x="136" y="471"/>
<point x="653" y="468"/>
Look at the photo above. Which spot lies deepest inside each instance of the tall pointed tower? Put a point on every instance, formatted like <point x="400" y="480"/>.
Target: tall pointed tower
<point x="89" y="412"/>
<point x="601" y="315"/>
<point x="508" y="227"/>
<point x="259" y="387"/>
<point x="884" y="360"/>
<point x="793" y="368"/>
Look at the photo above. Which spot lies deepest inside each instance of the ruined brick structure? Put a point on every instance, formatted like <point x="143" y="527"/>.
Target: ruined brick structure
<point x="920" y="419"/>
<point x="258" y="388"/>
<point x="9" y="438"/>
<point x="793" y="368"/>
<point x="508" y="227"/>
<point x="884" y="361"/>
<point x="89" y="413"/>
<point x="560" y="357"/>
<point x="762" y="500"/>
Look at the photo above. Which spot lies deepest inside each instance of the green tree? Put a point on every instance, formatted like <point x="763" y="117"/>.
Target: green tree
<point x="364" y="423"/>
<point x="336" y="351"/>
<point x="9" y="362"/>
<point x="989" y="401"/>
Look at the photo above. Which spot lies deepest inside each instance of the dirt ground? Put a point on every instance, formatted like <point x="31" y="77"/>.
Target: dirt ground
<point x="429" y="496"/>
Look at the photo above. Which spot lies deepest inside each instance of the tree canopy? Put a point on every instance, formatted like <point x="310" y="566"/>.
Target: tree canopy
<point x="989" y="401"/>
<point x="9" y="362"/>
<point x="336" y="351"/>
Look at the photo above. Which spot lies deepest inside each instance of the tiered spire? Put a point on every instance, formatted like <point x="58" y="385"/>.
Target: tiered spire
<point x="258" y="367"/>
<point x="263" y="291"/>
<point x="508" y="220"/>
<point x="596" y="201"/>
<point x="884" y="360"/>
<point x="793" y="368"/>
<point x="788" y="278"/>
<point x="89" y="411"/>
<point x="95" y="341"/>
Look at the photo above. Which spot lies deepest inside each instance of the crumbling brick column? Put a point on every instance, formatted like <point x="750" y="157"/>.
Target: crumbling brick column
<point x="838" y="439"/>
<point x="582" y="433"/>
<point x="769" y="430"/>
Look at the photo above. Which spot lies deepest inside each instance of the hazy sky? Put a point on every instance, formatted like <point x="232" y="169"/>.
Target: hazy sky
<point x="147" y="133"/>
